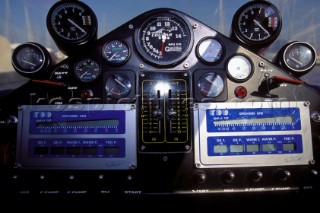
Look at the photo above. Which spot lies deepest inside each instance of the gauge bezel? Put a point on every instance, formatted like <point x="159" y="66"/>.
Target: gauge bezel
<point x="45" y="55"/>
<point x="292" y="69"/>
<point x="237" y="80"/>
<point x="257" y="43"/>
<point x="61" y="41"/>
<point x="77" y="76"/>
<point x="223" y="49"/>
<point x="116" y="63"/>
<point x="144" y="22"/>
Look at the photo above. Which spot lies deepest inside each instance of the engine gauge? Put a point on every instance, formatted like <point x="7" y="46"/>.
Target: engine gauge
<point x="298" y="57"/>
<point x="116" y="52"/>
<point x="211" y="85"/>
<point x="239" y="68"/>
<point x="210" y="50"/>
<point x="257" y="23"/>
<point x="71" y="24"/>
<point x="117" y="86"/>
<point x="164" y="39"/>
<point x="87" y="70"/>
<point x="31" y="60"/>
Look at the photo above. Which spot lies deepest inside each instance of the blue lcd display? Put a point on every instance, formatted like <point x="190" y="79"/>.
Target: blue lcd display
<point x="254" y="145"/>
<point x="253" y="119"/>
<point x="77" y="122"/>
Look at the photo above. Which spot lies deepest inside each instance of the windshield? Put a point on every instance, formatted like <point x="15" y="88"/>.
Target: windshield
<point x="25" y="21"/>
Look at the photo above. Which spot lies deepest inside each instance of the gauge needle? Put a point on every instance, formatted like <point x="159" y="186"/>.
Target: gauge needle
<point x="28" y="62"/>
<point x="77" y="26"/>
<point x="295" y="60"/>
<point x="119" y="82"/>
<point x="84" y="74"/>
<point x="113" y="56"/>
<point x="163" y="37"/>
<point x="257" y="23"/>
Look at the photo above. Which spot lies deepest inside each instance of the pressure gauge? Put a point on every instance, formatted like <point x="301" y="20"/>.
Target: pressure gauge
<point x="211" y="85"/>
<point x="116" y="52"/>
<point x="31" y="60"/>
<point x="71" y="24"/>
<point x="239" y="68"/>
<point x="210" y="50"/>
<point x="297" y="57"/>
<point x="257" y="23"/>
<point x="117" y="86"/>
<point x="87" y="70"/>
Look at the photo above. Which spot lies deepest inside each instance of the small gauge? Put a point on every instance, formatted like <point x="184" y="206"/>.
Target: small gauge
<point x="257" y="23"/>
<point x="298" y="57"/>
<point x="164" y="39"/>
<point x="117" y="86"/>
<point x="239" y="68"/>
<point x="116" y="52"/>
<point x="211" y="85"/>
<point x="71" y="24"/>
<point x="210" y="50"/>
<point x="87" y="70"/>
<point x="31" y="60"/>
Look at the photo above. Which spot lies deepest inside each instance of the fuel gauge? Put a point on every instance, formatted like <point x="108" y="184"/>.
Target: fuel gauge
<point x="298" y="57"/>
<point x="117" y="86"/>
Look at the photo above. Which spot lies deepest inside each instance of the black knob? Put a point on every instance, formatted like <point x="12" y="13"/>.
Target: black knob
<point x="283" y="175"/>
<point x="255" y="176"/>
<point x="228" y="176"/>
<point x="200" y="177"/>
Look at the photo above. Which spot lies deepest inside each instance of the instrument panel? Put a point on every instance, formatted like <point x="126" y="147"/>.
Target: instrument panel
<point x="163" y="105"/>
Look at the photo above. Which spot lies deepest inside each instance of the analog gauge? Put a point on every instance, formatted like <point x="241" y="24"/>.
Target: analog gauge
<point x="115" y="52"/>
<point x="164" y="39"/>
<point x="210" y="50"/>
<point x="257" y="23"/>
<point x="239" y="68"/>
<point x="298" y="57"/>
<point x="117" y="86"/>
<point x="71" y="23"/>
<point x="31" y="59"/>
<point x="87" y="70"/>
<point x="211" y="85"/>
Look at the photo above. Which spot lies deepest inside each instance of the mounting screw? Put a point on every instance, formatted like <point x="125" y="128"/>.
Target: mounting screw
<point x="129" y="177"/>
<point x="130" y="26"/>
<point x="195" y="26"/>
<point x="306" y="103"/>
<point x="187" y="147"/>
<point x="141" y="66"/>
<point x="100" y="177"/>
<point x="186" y="65"/>
<point x="142" y="75"/>
<point x="198" y="165"/>
<point x="261" y="64"/>
<point x="142" y="148"/>
<point x="132" y="166"/>
<point x="185" y="74"/>
<point x="165" y="158"/>
<point x="312" y="162"/>
<point x="133" y="106"/>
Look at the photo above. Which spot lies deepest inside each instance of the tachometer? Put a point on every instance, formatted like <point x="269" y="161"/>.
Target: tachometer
<point x="164" y="39"/>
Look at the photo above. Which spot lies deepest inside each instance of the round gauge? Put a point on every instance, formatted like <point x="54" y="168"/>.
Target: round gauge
<point x="298" y="57"/>
<point x="118" y="86"/>
<point x="164" y="39"/>
<point x="239" y="68"/>
<point x="71" y="22"/>
<point x="87" y="70"/>
<point x="257" y="23"/>
<point x="211" y="85"/>
<point x="30" y="59"/>
<point x="116" y="52"/>
<point x="210" y="50"/>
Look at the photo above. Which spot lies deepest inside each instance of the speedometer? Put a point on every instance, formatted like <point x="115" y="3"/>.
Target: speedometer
<point x="164" y="39"/>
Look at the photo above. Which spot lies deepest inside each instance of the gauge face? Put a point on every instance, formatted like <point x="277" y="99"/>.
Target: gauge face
<point x="118" y="86"/>
<point x="71" y="21"/>
<point x="257" y="23"/>
<point x="299" y="57"/>
<point x="164" y="39"/>
<point x="210" y="50"/>
<point x="239" y="68"/>
<point x="87" y="70"/>
<point x="30" y="59"/>
<point x="116" y="52"/>
<point x="211" y="85"/>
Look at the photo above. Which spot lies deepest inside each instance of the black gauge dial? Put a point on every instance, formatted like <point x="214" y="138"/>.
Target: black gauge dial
<point x="31" y="59"/>
<point x="71" y="22"/>
<point x="116" y="52"/>
<point x="210" y="50"/>
<point x="211" y="85"/>
<point x="164" y="39"/>
<point x="239" y="68"/>
<point x="298" y="57"/>
<point x="257" y="23"/>
<point x="87" y="70"/>
<point x="118" y="86"/>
